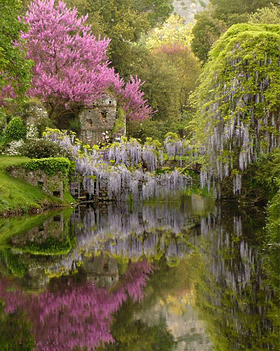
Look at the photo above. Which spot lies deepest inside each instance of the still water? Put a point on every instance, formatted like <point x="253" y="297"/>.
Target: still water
<point x="186" y="276"/>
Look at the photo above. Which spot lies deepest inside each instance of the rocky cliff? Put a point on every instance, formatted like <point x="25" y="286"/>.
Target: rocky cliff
<point x="188" y="8"/>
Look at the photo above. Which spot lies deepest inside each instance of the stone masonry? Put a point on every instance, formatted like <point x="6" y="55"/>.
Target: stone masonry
<point x="98" y="119"/>
<point x="52" y="185"/>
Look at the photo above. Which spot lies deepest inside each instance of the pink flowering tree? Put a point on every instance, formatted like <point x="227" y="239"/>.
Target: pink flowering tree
<point x="71" y="65"/>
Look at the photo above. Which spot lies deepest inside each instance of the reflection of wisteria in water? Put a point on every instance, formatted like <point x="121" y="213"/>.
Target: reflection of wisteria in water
<point x="145" y="231"/>
<point x="233" y="287"/>
<point x="76" y="316"/>
<point x="230" y="271"/>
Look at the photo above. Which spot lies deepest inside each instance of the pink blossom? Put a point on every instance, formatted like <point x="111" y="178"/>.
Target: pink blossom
<point x="71" y="64"/>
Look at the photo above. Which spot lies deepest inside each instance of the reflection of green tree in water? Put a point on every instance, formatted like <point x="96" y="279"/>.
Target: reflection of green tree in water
<point x="135" y="335"/>
<point x="232" y="295"/>
<point x="15" y="331"/>
<point x="12" y="263"/>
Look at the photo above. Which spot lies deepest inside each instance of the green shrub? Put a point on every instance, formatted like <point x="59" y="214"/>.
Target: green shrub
<point x="50" y="165"/>
<point x="42" y="149"/>
<point x="3" y="119"/>
<point x="15" y="130"/>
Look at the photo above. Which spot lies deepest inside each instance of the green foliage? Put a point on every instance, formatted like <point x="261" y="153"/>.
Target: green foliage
<point x="15" y="130"/>
<point x="170" y="73"/>
<point x="123" y="21"/>
<point x="229" y="10"/>
<point x="16" y="332"/>
<point x="272" y="262"/>
<point x="3" y="120"/>
<point x="17" y="196"/>
<point x="120" y="123"/>
<point x="14" y="264"/>
<point x="157" y="10"/>
<point x="50" y="166"/>
<point x="174" y="31"/>
<point x="42" y="148"/>
<point x="206" y="31"/>
<point x="260" y="179"/>
<point x="218" y="17"/>
<point x="269" y="15"/>
<point x="15" y="70"/>
<point x="52" y="245"/>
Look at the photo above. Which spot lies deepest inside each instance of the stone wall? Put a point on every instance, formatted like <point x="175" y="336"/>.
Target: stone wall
<point x="98" y="119"/>
<point x="52" y="185"/>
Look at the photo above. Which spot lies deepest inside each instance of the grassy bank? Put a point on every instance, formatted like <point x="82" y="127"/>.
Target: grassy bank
<point x="17" y="196"/>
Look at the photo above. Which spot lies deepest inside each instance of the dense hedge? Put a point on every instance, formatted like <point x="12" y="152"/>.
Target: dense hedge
<point x="50" y="166"/>
<point x="42" y="149"/>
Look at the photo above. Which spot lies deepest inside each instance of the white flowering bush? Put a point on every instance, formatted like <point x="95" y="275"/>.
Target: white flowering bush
<point x="14" y="148"/>
<point x="32" y="132"/>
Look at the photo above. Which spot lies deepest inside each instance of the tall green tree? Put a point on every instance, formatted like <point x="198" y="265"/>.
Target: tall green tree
<point x="14" y="68"/>
<point x="228" y="10"/>
<point x="123" y="21"/>
<point x="218" y="17"/>
<point x="269" y="15"/>
<point x="205" y="32"/>
<point x="170" y="71"/>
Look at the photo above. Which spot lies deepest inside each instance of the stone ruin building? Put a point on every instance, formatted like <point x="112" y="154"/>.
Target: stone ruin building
<point x="97" y="122"/>
<point x="98" y="119"/>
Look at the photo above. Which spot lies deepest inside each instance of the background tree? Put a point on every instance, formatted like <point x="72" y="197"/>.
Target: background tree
<point x="123" y="21"/>
<point x="205" y="32"/>
<point x="230" y="11"/>
<point x="170" y="71"/>
<point x="14" y="68"/>
<point x="71" y="64"/>
<point x="174" y="31"/>
<point x="270" y="15"/>
<point x="218" y="17"/>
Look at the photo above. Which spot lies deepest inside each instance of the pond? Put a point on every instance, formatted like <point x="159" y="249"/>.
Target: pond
<point x="190" y="275"/>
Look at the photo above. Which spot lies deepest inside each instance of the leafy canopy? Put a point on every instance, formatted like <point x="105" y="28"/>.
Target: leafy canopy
<point x="218" y="17"/>
<point x="123" y="21"/>
<point x="14" y="69"/>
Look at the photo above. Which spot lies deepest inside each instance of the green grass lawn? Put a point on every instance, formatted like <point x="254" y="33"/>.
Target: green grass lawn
<point x="17" y="195"/>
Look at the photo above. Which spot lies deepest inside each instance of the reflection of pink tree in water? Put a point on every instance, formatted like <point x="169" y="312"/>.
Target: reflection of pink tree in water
<point x="79" y="316"/>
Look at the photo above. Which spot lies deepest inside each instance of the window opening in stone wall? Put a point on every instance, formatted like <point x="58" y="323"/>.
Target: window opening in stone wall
<point x="89" y="122"/>
<point x="104" y="114"/>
